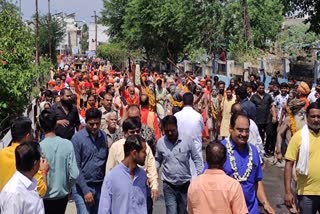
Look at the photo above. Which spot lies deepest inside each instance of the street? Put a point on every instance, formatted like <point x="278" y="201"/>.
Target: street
<point x="273" y="181"/>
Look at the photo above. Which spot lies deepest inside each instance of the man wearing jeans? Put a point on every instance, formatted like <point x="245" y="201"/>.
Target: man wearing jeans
<point x="91" y="150"/>
<point x="173" y="152"/>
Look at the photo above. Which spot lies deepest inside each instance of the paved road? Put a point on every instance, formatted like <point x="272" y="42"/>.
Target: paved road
<point x="274" y="187"/>
<point x="273" y="180"/>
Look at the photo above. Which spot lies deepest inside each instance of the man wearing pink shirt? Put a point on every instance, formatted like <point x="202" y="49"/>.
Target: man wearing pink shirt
<point x="214" y="191"/>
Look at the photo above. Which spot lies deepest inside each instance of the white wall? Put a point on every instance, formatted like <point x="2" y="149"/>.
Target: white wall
<point x="101" y="35"/>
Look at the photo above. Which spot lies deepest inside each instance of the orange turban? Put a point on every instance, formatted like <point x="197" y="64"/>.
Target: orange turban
<point x="52" y="83"/>
<point x="303" y="88"/>
<point x="72" y="84"/>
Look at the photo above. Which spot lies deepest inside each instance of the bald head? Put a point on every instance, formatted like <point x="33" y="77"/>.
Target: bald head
<point x="134" y="111"/>
<point x="235" y="108"/>
<point x="216" y="155"/>
<point x="95" y="78"/>
<point x="144" y="100"/>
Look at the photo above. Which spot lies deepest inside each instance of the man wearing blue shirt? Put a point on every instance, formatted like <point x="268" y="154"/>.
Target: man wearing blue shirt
<point x="245" y="103"/>
<point x="174" y="152"/>
<point x="124" y="188"/>
<point x="91" y="150"/>
<point x="243" y="163"/>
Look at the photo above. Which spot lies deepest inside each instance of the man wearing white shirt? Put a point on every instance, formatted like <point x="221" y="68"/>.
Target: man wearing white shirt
<point x="190" y="123"/>
<point x="281" y="100"/>
<point x="314" y="95"/>
<point x="20" y="194"/>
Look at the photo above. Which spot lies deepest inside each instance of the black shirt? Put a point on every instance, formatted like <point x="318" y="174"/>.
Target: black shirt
<point x="263" y="108"/>
<point x="73" y="118"/>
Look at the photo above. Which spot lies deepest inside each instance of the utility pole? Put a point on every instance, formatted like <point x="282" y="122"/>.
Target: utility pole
<point x="49" y="31"/>
<point x="96" y="29"/>
<point x="37" y="35"/>
<point x="246" y="23"/>
<point x="20" y="9"/>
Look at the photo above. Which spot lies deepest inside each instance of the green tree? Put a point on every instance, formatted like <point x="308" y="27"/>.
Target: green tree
<point x="266" y="20"/>
<point x="222" y="26"/>
<point x="306" y="7"/>
<point x="84" y="43"/>
<point x="113" y="16"/>
<point x="163" y="29"/>
<point x="17" y="74"/>
<point x="160" y="29"/>
<point x="209" y="35"/>
<point x="57" y="32"/>
<point x="175" y="29"/>
<point x="115" y="53"/>
<point x="294" y="39"/>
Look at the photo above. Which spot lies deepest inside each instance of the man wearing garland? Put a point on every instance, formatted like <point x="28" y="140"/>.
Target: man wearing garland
<point x="243" y="163"/>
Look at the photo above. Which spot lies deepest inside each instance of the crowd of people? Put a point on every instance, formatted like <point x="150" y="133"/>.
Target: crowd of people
<point x="104" y="138"/>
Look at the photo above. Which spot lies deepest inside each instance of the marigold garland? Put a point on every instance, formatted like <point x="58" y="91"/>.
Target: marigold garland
<point x="213" y="111"/>
<point x="293" y="126"/>
<point x="175" y="103"/>
<point x="152" y="100"/>
<point x="183" y="88"/>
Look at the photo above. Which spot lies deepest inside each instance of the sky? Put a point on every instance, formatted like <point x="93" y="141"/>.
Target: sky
<point x="83" y="8"/>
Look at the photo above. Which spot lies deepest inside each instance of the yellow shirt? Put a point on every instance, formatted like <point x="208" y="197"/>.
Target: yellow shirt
<point x="8" y="168"/>
<point x="310" y="184"/>
<point x="116" y="155"/>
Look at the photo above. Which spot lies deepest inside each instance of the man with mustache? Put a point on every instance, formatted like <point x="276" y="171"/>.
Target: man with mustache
<point x="91" y="151"/>
<point x="304" y="149"/>
<point x="67" y="115"/>
<point x="124" y="189"/>
<point x="243" y="163"/>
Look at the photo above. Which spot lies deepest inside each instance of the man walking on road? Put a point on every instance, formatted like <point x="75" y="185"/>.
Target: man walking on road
<point x="132" y="126"/>
<point x="174" y="151"/>
<point x="304" y="149"/>
<point x="63" y="165"/>
<point x="124" y="189"/>
<point x="19" y="195"/>
<point x="91" y="150"/>
<point x="67" y="115"/>
<point x="21" y="131"/>
<point x="215" y="184"/>
<point x="243" y="163"/>
<point x="265" y="117"/>
<point x="190" y="123"/>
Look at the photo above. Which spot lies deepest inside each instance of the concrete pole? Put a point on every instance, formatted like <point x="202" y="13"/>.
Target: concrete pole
<point x="316" y="70"/>
<point x="49" y="31"/>
<point x="37" y="35"/>
<point x="96" y="29"/>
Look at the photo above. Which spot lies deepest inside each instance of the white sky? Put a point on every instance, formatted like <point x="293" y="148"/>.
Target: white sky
<point x="83" y="8"/>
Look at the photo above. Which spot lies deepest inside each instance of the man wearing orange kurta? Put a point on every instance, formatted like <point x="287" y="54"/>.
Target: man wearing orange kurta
<point x="226" y="191"/>
<point x="148" y="117"/>
<point x="130" y="95"/>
